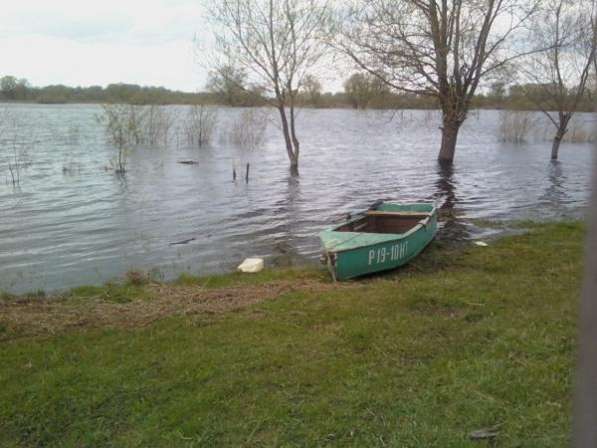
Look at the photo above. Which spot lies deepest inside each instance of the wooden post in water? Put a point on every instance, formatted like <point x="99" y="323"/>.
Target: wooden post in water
<point x="233" y="173"/>
<point x="247" y="174"/>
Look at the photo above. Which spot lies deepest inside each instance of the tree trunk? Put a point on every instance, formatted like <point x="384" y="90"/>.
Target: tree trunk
<point x="287" y="138"/>
<point x="449" y="137"/>
<point x="294" y="170"/>
<point x="555" y="147"/>
<point x="295" y="142"/>
<point x="292" y="143"/>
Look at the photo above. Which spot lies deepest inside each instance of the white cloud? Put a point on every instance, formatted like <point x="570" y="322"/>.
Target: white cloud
<point x="146" y="42"/>
<point x="85" y="42"/>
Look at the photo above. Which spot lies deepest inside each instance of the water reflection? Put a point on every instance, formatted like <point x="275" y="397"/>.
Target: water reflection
<point x="122" y="182"/>
<point x="555" y="195"/>
<point x="445" y="189"/>
<point x="451" y="227"/>
<point x="285" y="249"/>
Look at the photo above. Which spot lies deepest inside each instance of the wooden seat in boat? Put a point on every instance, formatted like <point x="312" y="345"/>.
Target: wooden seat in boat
<point x="376" y="221"/>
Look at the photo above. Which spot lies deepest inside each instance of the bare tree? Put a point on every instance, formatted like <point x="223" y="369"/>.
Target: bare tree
<point x="516" y="125"/>
<point x="560" y="73"/>
<point x="199" y="124"/>
<point x="15" y="146"/>
<point x="248" y="130"/>
<point x="276" y="42"/>
<point x="438" y="48"/>
<point x="157" y="121"/>
<point x="123" y="124"/>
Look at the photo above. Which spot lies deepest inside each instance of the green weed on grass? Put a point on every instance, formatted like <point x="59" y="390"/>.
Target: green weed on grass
<point x="112" y="292"/>
<point x="263" y="277"/>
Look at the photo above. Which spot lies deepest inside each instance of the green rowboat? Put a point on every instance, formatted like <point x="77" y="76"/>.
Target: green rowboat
<point x="384" y="237"/>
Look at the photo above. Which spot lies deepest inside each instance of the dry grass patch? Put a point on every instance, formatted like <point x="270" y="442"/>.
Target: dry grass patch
<point x="26" y="316"/>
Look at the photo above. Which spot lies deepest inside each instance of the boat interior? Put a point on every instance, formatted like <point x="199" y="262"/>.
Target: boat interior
<point x="375" y="221"/>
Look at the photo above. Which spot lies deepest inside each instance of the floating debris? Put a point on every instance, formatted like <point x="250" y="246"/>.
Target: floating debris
<point x="251" y="265"/>
<point x="188" y="162"/>
<point x="182" y="242"/>
<point x="481" y="243"/>
<point x="485" y="433"/>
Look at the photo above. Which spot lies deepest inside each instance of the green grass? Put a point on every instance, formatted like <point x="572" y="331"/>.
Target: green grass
<point x="462" y="339"/>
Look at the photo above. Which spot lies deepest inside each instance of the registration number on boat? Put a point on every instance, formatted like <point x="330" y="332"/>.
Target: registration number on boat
<point x="392" y="253"/>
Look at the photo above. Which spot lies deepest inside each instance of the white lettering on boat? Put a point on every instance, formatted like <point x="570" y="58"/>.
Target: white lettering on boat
<point x="393" y="253"/>
<point x="371" y="256"/>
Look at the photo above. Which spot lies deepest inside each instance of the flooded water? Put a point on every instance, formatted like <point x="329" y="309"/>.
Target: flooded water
<point x="72" y="221"/>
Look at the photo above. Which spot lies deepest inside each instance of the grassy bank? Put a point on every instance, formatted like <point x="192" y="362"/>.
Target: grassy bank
<point x="463" y="339"/>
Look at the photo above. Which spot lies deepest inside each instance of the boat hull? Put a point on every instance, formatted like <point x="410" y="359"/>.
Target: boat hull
<point x="376" y="253"/>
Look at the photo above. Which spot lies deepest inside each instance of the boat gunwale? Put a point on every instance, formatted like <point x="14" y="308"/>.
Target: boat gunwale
<point x="398" y="236"/>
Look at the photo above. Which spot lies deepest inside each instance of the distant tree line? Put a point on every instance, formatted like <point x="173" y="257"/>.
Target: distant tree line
<point x="15" y="89"/>
<point x="530" y="96"/>
<point x="361" y="91"/>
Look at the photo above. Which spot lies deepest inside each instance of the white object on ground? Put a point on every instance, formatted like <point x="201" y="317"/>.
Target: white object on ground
<point x="251" y="265"/>
<point x="481" y="243"/>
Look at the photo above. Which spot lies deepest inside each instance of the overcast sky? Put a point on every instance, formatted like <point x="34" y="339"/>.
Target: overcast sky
<point x="78" y="42"/>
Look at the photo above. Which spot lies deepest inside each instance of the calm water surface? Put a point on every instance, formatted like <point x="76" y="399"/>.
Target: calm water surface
<point x="73" y="222"/>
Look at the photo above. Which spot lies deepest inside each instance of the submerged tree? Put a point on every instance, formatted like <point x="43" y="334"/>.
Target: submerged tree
<point x="277" y="42"/>
<point x="123" y="124"/>
<point x="565" y="29"/>
<point x="248" y="130"/>
<point x="16" y="142"/>
<point x="157" y="122"/>
<point x="438" y="48"/>
<point x="199" y="124"/>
